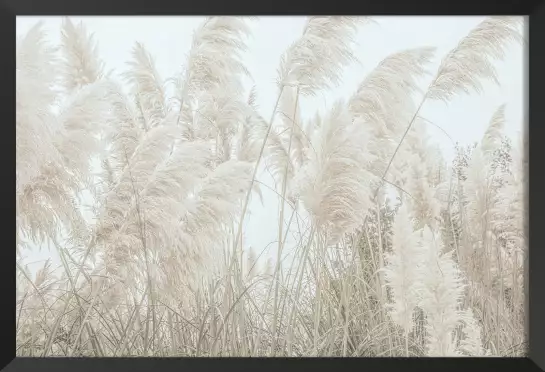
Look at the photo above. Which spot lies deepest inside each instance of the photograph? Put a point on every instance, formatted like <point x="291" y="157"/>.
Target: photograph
<point x="271" y="186"/>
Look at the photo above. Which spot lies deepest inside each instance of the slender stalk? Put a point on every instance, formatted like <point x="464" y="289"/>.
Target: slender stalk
<point x="281" y="224"/>
<point x="299" y="281"/>
<point x="383" y="298"/>
<point x="317" y="300"/>
<point x="249" y="193"/>
<point x="53" y="334"/>
<point x="89" y="328"/>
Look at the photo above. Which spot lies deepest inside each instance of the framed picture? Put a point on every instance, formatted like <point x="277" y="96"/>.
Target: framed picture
<point x="217" y="186"/>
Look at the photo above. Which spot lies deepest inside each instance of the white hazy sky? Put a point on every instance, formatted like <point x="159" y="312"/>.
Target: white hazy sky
<point x="168" y="39"/>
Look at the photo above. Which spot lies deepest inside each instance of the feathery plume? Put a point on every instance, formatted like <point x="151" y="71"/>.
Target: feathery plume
<point x="82" y="120"/>
<point x="247" y="143"/>
<point x="290" y="127"/>
<point x="414" y="176"/>
<point x="315" y="60"/>
<point x="146" y="84"/>
<point x="122" y="132"/>
<point x="81" y="65"/>
<point x="441" y="289"/>
<point x="479" y="195"/>
<point x="46" y="195"/>
<point x="204" y="71"/>
<point x="463" y="68"/>
<point x="36" y="72"/>
<point x="218" y="118"/>
<point x="384" y="101"/>
<point x="384" y="98"/>
<point x="511" y="224"/>
<point x="332" y="182"/>
<point x="212" y="208"/>
<point x="491" y="140"/>
<point x="36" y="59"/>
<point x="120" y="202"/>
<point x="403" y="270"/>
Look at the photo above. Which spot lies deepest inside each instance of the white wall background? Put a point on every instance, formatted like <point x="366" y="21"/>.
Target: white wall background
<point x="168" y="39"/>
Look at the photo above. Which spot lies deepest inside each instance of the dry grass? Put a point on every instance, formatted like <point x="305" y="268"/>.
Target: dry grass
<point x="161" y="269"/>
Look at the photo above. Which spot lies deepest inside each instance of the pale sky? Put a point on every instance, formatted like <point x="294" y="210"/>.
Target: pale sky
<point x="168" y="39"/>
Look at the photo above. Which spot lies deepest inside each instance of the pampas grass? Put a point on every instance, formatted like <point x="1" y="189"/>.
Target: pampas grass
<point x="404" y="271"/>
<point x="442" y="292"/>
<point x="159" y="264"/>
<point x="475" y="53"/>
<point x="81" y="65"/>
<point x="337" y="164"/>
<point x="147" y="86"/>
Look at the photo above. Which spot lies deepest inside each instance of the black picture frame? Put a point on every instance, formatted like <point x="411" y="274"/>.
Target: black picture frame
<point x="535" y="9"/>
